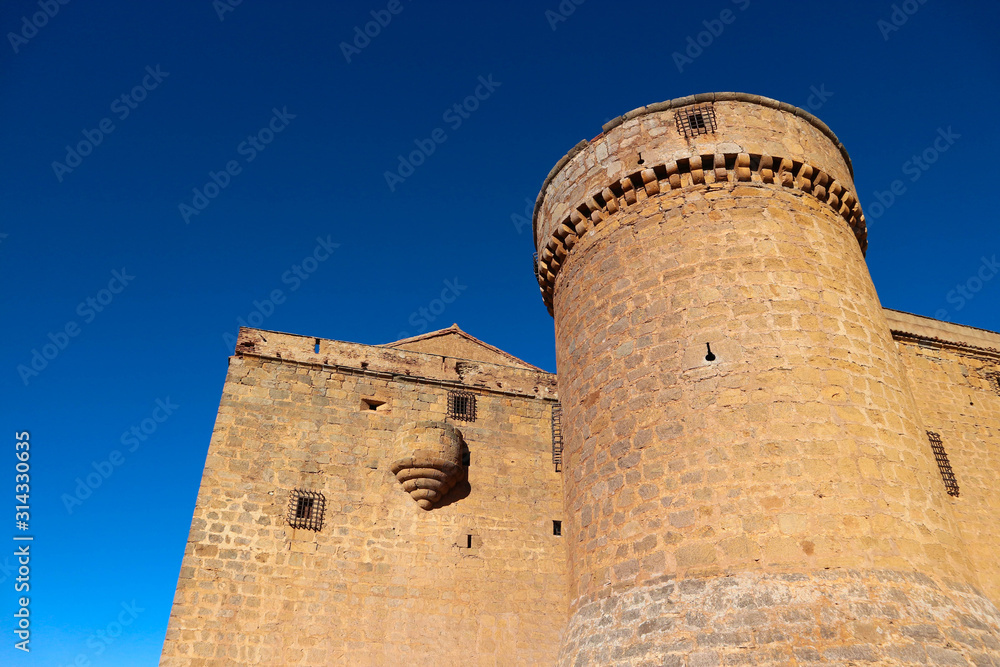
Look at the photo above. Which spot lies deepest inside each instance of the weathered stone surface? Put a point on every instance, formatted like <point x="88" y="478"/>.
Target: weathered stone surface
<point x="733" y="317"/>
<point x="894" y="632"/>
<point x="383" y="581"/>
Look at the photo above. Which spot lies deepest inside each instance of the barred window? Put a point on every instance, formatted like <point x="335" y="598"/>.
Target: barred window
<point x="462" y="405"/>
<point x="950" y="483"/>
<point x="696" y="120"/>
<point x="306" y="509"/>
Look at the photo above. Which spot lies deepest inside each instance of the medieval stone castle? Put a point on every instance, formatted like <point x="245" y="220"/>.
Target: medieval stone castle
<point x="744" y="459"/>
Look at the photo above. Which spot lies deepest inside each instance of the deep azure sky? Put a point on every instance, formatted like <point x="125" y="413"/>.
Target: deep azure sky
<point x="887" y="94"/>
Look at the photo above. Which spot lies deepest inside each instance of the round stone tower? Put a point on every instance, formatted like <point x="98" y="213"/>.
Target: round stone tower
<point x="746" y="474"/>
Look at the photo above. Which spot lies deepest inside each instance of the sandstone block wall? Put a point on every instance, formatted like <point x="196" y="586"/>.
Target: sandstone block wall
<point x="954" y="373"/>
<point x="384" y="581"/>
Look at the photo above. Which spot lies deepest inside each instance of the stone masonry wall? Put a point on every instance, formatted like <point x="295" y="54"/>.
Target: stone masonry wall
<point x="796" y="450"/>
<point x="958" y="395"/>
<point x="383" y="582"/>
<point x="818" y="617"/>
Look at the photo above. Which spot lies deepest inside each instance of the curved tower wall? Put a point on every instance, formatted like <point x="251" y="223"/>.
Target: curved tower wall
<point x="745" y="469"/>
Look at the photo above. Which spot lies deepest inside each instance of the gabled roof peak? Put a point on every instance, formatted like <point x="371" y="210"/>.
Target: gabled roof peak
<point x="454" y="342"/>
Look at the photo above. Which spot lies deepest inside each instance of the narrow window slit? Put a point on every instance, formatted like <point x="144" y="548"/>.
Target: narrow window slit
<point x="709" y="356"/>
<point x="304" y="508"/>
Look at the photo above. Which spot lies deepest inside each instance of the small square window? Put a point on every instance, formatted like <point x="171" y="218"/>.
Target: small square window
<point x="557" y="527"/>
<point x="371" y="404"/>
<point x="306" y="509"/>
<point x="462" y="405"/>
<point x="695" y="120"/>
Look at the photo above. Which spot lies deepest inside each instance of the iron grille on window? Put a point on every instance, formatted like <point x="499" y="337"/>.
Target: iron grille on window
<point x="305" y="509"/>
<point x="950" y="483"/>
<point x="557" y="439"/>
<point x="462" y="405"/>
<point x="696" y="120"/>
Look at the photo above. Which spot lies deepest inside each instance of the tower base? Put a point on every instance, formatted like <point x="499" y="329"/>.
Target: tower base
<point x="841" y="617"/>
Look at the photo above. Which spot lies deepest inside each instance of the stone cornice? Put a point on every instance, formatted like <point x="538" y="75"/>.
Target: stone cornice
<point x="696" y="171"/>
<point x="936" y="342"/>
<point x="928" y="332"/>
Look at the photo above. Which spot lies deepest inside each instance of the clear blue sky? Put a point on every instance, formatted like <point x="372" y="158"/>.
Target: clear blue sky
<point x="157" y="333"/>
